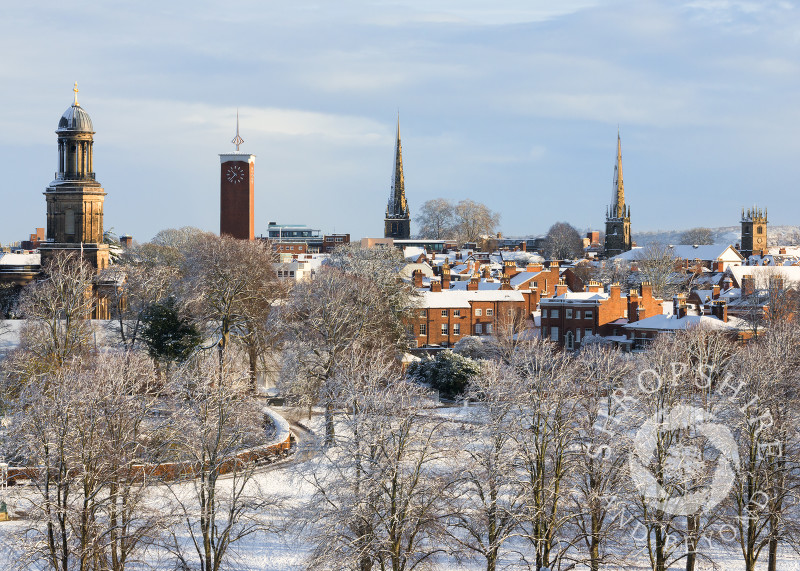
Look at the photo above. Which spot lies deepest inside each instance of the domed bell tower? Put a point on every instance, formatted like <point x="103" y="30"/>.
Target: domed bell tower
<point x="74" y="198"/>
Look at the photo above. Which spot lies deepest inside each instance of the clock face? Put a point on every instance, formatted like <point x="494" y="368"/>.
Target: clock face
<point x="235" y="174"/>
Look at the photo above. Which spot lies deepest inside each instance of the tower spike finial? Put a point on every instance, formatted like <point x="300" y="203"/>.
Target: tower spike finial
<point x="237" y="140"/>
<point x="75" y="89"/>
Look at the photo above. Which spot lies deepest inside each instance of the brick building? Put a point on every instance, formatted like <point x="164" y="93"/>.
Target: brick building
<point x="442" y="318"/>
<point x="570" y="317"/>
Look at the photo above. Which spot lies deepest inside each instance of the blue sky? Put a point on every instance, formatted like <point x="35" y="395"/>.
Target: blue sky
<point x="515" y="104"/>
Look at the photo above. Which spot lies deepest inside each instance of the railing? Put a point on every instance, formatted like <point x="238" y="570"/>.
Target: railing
<point x="74" y="176"/>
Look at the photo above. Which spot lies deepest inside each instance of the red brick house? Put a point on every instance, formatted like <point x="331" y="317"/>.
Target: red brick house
<point x="442" y="318"/>
<point x="570" y="317"/>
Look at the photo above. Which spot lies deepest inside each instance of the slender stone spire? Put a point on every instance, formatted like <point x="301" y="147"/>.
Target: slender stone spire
<point x="618" y="199"/>
<point x="397" y="207"/>
<point x="618" y="216"/>
<point x="397" y="223"/>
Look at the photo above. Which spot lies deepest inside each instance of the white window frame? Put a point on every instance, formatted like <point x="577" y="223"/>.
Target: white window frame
<point x="554" y="333"/>
<point x="423" y="329"/>
<point x="478" y="329"/>
<point x="456" y="329"/>
<point x="489" y="312"/>
<point x="456" y="313"/>
<point x="444" y="329"/>
<point x="444" y="313"/>
<point x="478" y="312"/>
<point x="568" y="313"/>
<point x="588" y="314"/>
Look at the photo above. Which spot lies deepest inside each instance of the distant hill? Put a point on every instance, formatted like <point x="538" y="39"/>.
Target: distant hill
<point x="776" y="236"/>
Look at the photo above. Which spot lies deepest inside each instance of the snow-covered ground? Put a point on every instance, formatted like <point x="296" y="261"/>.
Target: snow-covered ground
<point x="287" y="550"/>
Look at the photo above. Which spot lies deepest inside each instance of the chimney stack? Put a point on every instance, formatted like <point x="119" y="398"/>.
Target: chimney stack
<point x="748" y="285"/>
<point x="679" y="305"/>
<point x="719" y="309"/>
<point x="416" y="275"/>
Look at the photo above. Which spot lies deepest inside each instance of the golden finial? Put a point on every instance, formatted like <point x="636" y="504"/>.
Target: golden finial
<point x="75" y="89"/>
<point x="237" y="140"/>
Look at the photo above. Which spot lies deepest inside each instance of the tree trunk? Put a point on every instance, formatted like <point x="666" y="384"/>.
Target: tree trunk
<point x="692" y="525"/>
<point x="330" y="435"/>
<point x="772" y="563"/>
<point x="253" y="357"/>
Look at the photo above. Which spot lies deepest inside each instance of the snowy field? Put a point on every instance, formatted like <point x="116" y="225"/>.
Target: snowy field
<point x="287" y="548"/>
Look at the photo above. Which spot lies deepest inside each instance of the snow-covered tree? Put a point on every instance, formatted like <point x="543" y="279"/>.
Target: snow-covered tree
<point x="381" y="493"/>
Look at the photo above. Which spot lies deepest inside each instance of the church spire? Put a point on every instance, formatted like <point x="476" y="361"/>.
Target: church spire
<point x="618" y="216"/>
<point x="398" y="219"/>
<point x="618" y="199"/>
<point x="397" y="206"/>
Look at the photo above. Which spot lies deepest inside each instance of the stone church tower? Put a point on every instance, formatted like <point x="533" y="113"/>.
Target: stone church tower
<point x="754" y="232"/>
<point x="75" y="198"/>
<point x="397" y="223"/>
<point x="618" y="216"/>
<point x="237" y="191"/>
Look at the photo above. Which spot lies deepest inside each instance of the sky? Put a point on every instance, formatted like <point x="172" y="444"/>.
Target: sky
<point x="512" y="103"/>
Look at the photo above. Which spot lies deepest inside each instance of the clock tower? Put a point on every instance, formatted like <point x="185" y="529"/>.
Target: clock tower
<point x="237" y="189"/>
<point x="75" y="198"/>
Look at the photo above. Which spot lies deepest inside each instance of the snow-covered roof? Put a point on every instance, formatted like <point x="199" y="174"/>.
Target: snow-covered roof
<point x="482" y="285"/>
<point x="522" y="277"/>
<point x="576" y="297"/>
<point x="761" y="274"/>
<point x="672" y="323"/>
<point x="15" y="259"/>
<point x="710" y="252"/>
<point x="462" y="299"/>
<point x="413" y="252"/>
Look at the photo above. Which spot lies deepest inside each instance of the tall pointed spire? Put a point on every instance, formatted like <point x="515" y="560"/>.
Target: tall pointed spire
<point x="398" y="218"/>
<point x="618" y="216"/>
<point x="618" y="199"/>
<point x="397" y="206"/>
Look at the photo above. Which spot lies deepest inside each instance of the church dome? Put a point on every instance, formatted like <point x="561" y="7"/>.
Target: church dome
<point x="75" y="119"/>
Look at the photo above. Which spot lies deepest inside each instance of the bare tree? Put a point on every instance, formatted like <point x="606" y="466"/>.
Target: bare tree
<point x="84" y="429"/>
<point x="216" y="421"/>
<point x="381" y="501"/>
<point x="136" y="283"/>
<point x="357" y="301"/>
<point x="57" y="308"/>
<point x="658" y="266"/>
<point x="544" y="439"/>
<point x="765" y="491"/>
<point x="436" y="219"/>
<point x="697" y="236"/>
<point x="563" y="242"/>
<point x="600" y="464"/>
<point x="474" y="221"/>
<point x="490" y="496"/>
<point x="231" y="285"/>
